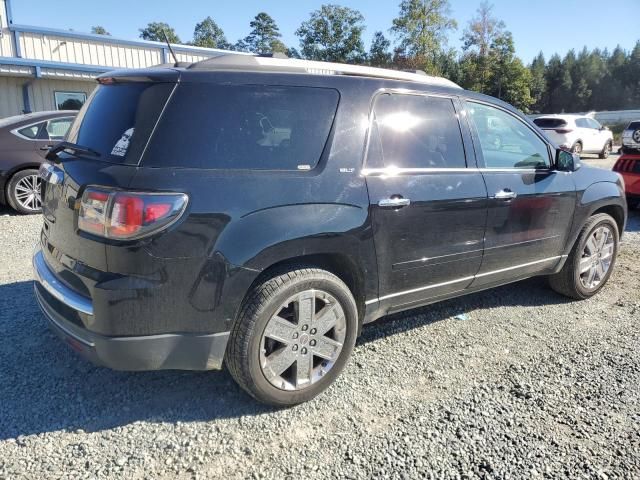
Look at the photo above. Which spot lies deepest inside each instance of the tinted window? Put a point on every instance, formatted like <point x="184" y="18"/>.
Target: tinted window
<point x="633" y="126"/>
<point x="30" y="131"/>
<point x="507" y="142"/>
<point x="550" y="122"/>
<point x="117" y="119"/>
<point x="414" y="131"/>
<point x="58" y="128"/>
<point x="243" y="127"/>
<point x="594" y="123"/>
<point x="69" y="100"/>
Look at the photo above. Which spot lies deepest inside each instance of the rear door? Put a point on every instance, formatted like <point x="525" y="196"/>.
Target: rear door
<point x="428" y="208"/>
<point x="590" y="136"/>
<point x="531" y="205"/>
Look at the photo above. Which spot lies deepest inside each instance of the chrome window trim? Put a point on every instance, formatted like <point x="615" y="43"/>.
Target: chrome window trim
<point x="390" y="171"/>
<point x="464" y="279"/>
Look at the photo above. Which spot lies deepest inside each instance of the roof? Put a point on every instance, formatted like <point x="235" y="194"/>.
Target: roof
<point x="231" y="61"/>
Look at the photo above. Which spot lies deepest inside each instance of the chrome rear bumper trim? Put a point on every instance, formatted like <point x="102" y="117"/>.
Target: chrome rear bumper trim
<point x="45" y="277"/>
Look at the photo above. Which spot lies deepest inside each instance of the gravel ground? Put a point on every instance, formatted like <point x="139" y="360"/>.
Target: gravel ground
<point x="529" y="385"/>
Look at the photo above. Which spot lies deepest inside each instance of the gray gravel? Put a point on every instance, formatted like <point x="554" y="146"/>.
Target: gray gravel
<point x="530" y="385"/>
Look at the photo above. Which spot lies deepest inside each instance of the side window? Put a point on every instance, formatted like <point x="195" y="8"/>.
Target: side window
<point x="30" y="131"/>
<point x="415" y="131"/>
<point x="594" y="124"/>
<point x="582" y="123"/>
<point x="57" y="129"/>
<point x="505" y="141"/>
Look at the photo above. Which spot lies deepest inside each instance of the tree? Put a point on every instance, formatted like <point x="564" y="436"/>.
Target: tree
<point x="98" y="30"/>
<point x="333" y="34"/>
<point x="511" y="78"/>
<point x="153" y="31"/>
<point x="208" y="34"/>
<point x="538" y="83"/>
<point x="421" y="28"/>
<point x="479" y="38"/>
<point x="264" y="36"/>
<point x="379" y="53"/>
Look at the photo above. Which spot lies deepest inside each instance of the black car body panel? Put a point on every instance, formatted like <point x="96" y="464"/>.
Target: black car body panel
<point x="189" y="280"/>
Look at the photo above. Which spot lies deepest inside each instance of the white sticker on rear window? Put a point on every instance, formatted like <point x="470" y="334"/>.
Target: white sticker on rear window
<point x="121" y="147"/>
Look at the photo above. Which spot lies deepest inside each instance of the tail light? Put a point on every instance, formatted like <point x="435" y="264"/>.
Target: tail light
<point x="123" y="215"/>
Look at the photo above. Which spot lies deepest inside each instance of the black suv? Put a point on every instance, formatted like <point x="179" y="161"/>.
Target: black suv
<point x="258" y="211"/>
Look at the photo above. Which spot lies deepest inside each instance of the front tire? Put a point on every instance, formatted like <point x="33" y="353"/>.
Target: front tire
<point x="591" y="260"/>
<point x="606" y="151"/>
<point x="293" y="336"/>
<point x="23" y="192"/>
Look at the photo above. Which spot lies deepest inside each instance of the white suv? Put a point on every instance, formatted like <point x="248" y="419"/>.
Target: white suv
<point x="578" y="133"/>
<point x="631" y="138"/>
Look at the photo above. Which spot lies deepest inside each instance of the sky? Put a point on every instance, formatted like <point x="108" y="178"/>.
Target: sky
<point x="550" y="26"/>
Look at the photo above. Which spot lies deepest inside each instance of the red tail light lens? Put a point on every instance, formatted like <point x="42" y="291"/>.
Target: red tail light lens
<point x="128" y="215"/>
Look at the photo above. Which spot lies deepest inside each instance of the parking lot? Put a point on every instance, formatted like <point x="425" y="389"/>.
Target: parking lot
<point x="513" y="382"/>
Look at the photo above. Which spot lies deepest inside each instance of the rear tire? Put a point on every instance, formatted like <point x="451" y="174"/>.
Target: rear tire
<point x="278" y="350"/>
<point x="606" y="150"/>
<point x="573" y="280"/>
<point x="23" y="192"/>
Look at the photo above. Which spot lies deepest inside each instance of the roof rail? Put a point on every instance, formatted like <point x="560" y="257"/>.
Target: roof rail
<point x="276" y="63"/>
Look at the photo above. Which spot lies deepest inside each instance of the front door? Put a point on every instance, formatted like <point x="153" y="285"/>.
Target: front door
<point x="428" y="209"/>
<point x="531" y="205"/>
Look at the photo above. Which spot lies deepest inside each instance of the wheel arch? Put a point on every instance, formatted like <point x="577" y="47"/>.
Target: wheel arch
<point x="341" y="265"/>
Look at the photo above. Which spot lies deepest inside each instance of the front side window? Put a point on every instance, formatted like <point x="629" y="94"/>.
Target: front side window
<point x="69" y="100"/>
<point x="582" y="123"/>
<point x="505" y="141"/>
<point x="594" y="124"/>
<point x="415" y="131"/>
<point x="57" y="129"/>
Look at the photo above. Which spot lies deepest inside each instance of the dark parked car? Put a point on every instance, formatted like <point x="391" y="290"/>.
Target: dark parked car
<point x="258" y="211"/>
<point x="24" y="143"/>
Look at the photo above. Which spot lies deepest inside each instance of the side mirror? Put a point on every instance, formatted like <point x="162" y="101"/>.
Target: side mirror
<point x="567" y="161"/>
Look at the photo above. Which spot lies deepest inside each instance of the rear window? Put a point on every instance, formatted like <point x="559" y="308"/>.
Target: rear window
<point x="550" y="122"/>
<point x="243" y="127"/>
<point x="634" y="126"/>
<point x="117" y="119"/>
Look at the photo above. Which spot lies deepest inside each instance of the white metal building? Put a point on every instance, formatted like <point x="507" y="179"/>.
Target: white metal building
<point x="45" y="68"/>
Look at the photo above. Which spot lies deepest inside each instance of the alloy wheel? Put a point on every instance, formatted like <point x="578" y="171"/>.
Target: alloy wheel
<point x="303" y="340"/>
<point x="596" y="257"/>
<point x="27" y="193"/>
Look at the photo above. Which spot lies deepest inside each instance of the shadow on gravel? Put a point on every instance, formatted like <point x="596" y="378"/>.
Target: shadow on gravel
<point x="45" y="386"/>
<point x="527" y="293"/>
<point x="633" y="222"/>
<point x="6" y="210"/>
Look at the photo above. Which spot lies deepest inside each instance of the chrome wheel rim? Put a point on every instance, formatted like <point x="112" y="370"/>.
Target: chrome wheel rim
<point x="303" y="340"/>
<point x="597" y="256"/>
<point x="577" y="148"/>
<point x="636" y="136"/>
<point x="607" y="150"/>
<point x="27" y="193"/>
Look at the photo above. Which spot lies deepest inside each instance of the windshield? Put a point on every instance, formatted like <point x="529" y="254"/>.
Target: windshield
<point x="118" y="119"/>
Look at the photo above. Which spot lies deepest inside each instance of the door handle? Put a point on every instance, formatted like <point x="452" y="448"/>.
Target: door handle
<point x="394" y="202"/>
<point x="505" y="194"/>
<point x="47" y="148"/>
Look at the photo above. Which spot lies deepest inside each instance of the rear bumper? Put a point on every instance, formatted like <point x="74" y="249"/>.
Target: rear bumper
<point x="152" y="352"/>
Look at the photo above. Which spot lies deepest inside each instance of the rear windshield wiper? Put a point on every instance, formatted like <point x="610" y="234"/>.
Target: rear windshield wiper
<point x="71" y="149"/>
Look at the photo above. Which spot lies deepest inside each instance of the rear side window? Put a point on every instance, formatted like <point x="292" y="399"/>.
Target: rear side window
<point x="243" y="127"/>
<point x="118" y="119"/>
<point x="550" y="122"/>
<point x="58" y="128"/>
<point x="415" y="131"/>
<point x="634" y="126"/>
<point x="30" y="131"/>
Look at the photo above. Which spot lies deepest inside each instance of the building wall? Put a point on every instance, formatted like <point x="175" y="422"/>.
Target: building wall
<point x="41" y="93"/>
<point x="6" y="43"/>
